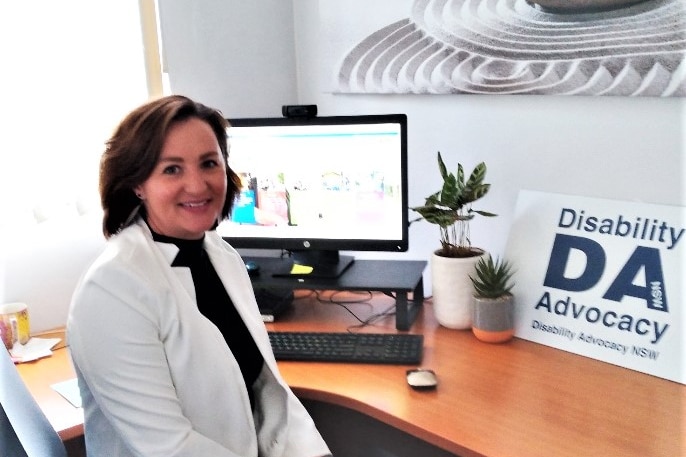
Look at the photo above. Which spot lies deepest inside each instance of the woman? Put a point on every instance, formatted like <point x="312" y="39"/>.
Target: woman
<point x="170" y="351"/>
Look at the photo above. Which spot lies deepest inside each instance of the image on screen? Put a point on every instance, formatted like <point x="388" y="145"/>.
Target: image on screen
<point x="322" y="183"/>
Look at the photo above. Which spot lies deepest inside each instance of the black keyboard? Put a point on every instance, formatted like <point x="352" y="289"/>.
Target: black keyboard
<point x="389" y="348"/>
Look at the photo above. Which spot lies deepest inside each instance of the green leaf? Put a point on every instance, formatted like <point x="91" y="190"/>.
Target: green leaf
<point x="493" y="279"/>
<point x="449" y="192"/>
<point x="478" y="175"/>
<point x="460" y="180"/>
<point x="433" y="199"/>
<point x="484" y="213"/>
<point x="441" y="166"/>
<point x="479" y="191"/>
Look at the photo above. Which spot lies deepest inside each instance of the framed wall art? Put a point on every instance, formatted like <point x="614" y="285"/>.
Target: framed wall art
<point x="547" y="47"/>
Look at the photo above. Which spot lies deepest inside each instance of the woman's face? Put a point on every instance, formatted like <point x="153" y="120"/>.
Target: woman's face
<point x="185" y="193"/>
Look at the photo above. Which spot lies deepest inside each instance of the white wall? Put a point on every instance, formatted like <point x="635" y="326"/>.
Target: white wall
<point x="613" y="147"/>
<point x="237" y="56"/>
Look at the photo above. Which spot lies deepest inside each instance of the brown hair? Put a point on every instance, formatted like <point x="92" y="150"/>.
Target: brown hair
<point x="133" y="151"/>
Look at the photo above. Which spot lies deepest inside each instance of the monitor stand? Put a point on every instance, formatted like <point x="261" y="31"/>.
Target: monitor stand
<point x="316" y="264"/>
<point x="398" y="278"/>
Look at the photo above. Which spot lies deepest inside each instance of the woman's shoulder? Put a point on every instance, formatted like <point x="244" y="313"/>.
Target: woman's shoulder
<point x="128" y="253"/>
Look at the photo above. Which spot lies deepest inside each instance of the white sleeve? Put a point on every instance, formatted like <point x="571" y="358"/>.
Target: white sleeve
<point x="115" y="344"/>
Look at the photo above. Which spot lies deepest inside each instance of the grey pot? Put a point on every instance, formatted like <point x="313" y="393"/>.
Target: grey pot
<point x="493" y="319"/>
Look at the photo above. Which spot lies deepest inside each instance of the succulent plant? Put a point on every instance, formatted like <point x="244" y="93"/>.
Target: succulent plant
<point x="493" y="278"/>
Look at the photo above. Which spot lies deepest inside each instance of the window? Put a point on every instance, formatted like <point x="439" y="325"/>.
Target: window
<point x="70" y="71"/>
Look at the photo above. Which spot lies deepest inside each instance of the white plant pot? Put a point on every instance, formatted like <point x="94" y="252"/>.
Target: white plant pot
<point x="452" y="290"/>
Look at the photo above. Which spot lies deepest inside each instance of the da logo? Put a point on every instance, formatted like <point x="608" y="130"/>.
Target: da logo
<point x="643" y="260"/>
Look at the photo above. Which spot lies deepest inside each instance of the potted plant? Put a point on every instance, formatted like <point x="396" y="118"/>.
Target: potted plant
<point x="451" y="209"/>
<point x="493" y="318"/>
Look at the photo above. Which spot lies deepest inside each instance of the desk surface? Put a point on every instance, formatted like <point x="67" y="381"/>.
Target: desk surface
<point x="514" y="399"/>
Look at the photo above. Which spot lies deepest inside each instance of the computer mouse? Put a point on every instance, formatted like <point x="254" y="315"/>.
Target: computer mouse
<point x="422" y="379"/>
<point x="252" y="267"/>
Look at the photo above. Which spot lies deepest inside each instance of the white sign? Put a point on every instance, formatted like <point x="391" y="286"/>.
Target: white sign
<point x="603" y="279"/>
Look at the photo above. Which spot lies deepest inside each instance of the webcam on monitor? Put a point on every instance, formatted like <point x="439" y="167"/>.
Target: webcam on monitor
<point x="299" y="110"/>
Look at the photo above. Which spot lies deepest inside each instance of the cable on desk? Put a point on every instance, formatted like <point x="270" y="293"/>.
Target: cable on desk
<point x="304" y="293"/>
<point x="343" y="303"/>
<point x="389" y="311"/>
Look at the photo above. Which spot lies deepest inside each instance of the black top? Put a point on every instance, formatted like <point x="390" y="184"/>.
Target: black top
<point x="215" y="304"/>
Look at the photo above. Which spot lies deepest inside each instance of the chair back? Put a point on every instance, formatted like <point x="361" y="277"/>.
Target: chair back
<point x="24" y="429"/>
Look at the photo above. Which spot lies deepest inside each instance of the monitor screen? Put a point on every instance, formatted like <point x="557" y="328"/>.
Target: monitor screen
<point x="315" y="186"/>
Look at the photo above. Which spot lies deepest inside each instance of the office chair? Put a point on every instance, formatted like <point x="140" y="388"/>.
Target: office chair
<point x="24" y="429"/>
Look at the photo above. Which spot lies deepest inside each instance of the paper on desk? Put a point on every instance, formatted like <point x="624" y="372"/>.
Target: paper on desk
<point x="34" y="349"/>
<point x="70" y="390"/>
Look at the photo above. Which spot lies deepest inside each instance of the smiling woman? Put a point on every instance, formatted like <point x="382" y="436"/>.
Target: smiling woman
<point x="185" y="194"/>
<point x="71" y="70"/>
<point x="172" y="304"/>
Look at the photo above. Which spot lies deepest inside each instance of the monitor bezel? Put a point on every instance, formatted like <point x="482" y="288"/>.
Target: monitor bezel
<point x="332" y="244"/>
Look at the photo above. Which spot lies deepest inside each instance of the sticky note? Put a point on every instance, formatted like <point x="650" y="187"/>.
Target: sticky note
<point x="301" y="269"/>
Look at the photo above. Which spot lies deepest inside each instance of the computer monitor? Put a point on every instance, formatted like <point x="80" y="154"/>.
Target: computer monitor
<point x="315" y="186"/>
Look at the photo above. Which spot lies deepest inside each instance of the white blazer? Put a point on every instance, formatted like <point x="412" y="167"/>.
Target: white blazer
<point x="157" y="378"/>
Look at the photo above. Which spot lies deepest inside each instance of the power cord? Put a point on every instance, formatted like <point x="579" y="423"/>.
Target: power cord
<point x="363" y="322"/>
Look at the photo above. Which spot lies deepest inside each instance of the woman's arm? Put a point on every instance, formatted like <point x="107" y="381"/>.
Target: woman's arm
<point x="115" y="341"/>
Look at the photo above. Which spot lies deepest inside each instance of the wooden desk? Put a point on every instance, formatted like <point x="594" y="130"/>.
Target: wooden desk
<point x="39" y="376"/>
<point x="515" y="399"/>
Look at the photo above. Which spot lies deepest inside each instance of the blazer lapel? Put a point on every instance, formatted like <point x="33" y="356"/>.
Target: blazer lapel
<point x="233" y="275"/>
